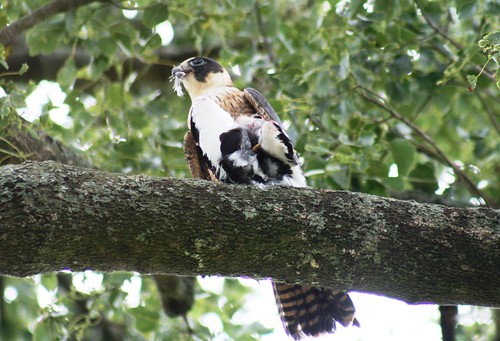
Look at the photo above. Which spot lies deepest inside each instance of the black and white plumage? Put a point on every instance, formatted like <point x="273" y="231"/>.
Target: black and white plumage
<point x="247" y="149"/>
<point x="236" y="137"/>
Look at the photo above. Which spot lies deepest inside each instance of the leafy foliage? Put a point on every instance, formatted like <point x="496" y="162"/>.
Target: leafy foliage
<point x="379" y="96"/>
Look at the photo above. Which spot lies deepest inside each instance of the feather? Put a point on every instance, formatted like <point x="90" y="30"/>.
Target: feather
<point x="177" y="79"/>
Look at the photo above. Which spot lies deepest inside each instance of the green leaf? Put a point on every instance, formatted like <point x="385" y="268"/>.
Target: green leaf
<point x="395" y="184"/>
<point x="67" y="74"/>
<point x="107" y="46"/>
<point x="116" y="279"/>
<point x="154" y="42"/>
<point x="377" y="168"/>
<point x="493" y="38"/>
<point x="344" y="66"/>
<point x="355" y="7"/>
<point x="115" y="95"/>
<point x="403" y="153"/>
<point x="155" y="15"/>
<point x="45" y="38"/>
<point x="47" y="329"/>
<point x="472" y="79"/>
<point x="401" y="66"/>
<point x="366" y="139"/>
<point x="467" y="10"/>
<point x="146" y="320"/>
<point x="423" y="178"/>
<point x="341" y="177"/>
<point x="98" y="67"/>
<point x="49" y="281"/>
<point x="3" y="20"/>
<point x="24" y="68"/>
<point x="318" y="149"/>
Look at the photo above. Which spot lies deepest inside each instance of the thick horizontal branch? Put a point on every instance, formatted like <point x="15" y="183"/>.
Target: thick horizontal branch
<point x="55" y="217"/>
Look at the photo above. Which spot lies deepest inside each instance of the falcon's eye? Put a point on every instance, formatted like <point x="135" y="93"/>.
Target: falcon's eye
<point x="197" y="62"/>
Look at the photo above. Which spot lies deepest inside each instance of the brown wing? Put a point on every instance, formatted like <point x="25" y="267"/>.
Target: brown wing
<point x="192" y="153"/>
<point x="247" y="102"/>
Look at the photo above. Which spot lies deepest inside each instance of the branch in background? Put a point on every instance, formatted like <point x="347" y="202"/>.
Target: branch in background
<point x="52" y="214"/>
<point x="263" y="33"/>
<point x="436" y="28"/>
<point x="36" y="17"/>
<point x="445" y="35"/>
<point x="20" y="141"/>
<point x="380" y="102"/>
<point x="489" y="112"/>
<point x="448" y="321"/>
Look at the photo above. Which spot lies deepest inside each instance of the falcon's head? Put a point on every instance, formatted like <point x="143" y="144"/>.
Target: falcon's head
<point x="198" y="75"/>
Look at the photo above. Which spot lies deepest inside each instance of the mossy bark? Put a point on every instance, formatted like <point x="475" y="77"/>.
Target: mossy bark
<point x="55" y="217"/>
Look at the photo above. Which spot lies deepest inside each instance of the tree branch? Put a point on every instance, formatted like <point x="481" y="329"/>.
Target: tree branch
<point x="263" y="33"/>
<point x="20" y="141"/>
<point x="436" y="28"/>
<point x="468" y="183"/>
<point x="38" y="16"/>
<point x="447" y="37"/>
<point x="55" y="217"/>
<point x="491" y="115"/>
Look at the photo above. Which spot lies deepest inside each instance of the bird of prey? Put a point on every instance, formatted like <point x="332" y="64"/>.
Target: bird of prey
<point x="236" y="137"/>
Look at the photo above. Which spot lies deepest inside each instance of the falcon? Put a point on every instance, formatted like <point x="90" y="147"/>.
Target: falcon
<point x="235" y="136"/>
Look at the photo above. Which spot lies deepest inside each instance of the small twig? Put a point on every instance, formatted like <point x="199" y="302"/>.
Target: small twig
<point x="38" y="16"/>
<point x="489" y="112"/>
<point x="452" y="41"/>
<point x="190" y="330"/>
<point x="322" y="127"/>
<point x="380" y="102"/>
<point x="263" y="33"/>
<point x="436" y="28"/>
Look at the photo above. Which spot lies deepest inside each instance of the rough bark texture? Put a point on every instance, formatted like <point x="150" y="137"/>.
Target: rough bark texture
<point x="55" y="217"/>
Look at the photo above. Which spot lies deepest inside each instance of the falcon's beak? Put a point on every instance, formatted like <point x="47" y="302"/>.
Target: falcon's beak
<point x="178" y="74"/>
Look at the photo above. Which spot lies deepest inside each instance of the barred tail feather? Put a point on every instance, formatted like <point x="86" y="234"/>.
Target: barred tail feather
<point x="311" y="311"/>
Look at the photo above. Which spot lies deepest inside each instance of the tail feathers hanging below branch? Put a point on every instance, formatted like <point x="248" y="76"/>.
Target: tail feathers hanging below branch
<point x="312" y="311"/>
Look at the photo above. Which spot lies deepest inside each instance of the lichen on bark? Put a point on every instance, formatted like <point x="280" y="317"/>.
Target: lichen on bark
<point x="55" y="217"/>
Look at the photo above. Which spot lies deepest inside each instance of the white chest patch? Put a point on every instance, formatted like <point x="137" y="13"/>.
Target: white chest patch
<point x="211" y="121"/>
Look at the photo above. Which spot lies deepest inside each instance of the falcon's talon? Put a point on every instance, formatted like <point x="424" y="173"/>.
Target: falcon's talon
<point x="257" y="148"/>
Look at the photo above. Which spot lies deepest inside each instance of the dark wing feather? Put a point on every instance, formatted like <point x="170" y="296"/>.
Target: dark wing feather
<point x="194" y="158"/>
<point x="262" y="106"/>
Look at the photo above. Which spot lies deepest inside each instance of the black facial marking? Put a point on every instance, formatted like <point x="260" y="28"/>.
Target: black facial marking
<point x="203" y="66"/>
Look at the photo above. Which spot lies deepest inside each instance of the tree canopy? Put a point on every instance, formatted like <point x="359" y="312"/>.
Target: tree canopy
<point x="384" y="97"/>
